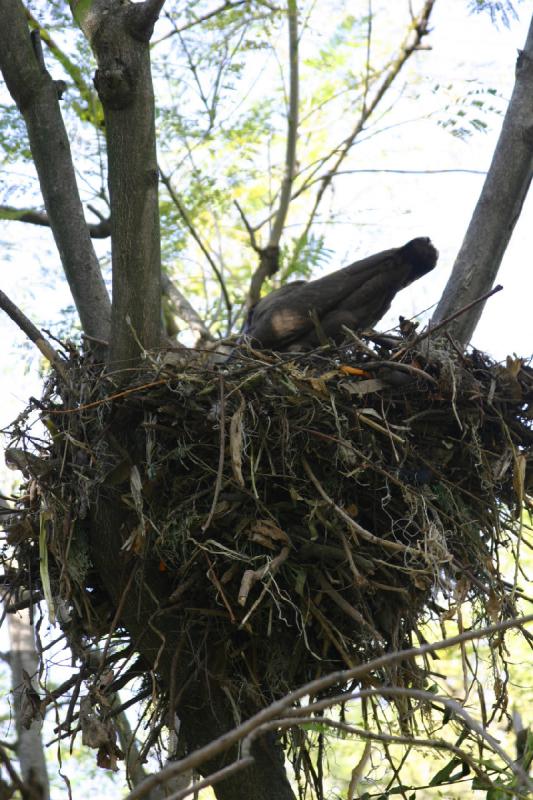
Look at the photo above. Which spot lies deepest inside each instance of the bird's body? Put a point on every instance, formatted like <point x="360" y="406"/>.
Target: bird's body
<point x="356" y="296"/>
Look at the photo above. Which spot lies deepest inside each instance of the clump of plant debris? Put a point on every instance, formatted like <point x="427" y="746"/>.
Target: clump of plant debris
<point x="313" y="509"/>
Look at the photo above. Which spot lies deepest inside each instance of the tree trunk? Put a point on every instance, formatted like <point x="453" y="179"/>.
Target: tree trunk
<point x="497" y="209"/>
<point x="119" y="35"/>
<point x="204" y="709"/>
<point x="24" y="664"/>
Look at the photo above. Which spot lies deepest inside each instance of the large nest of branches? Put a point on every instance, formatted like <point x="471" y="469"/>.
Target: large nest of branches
<point x="309" y="510"/>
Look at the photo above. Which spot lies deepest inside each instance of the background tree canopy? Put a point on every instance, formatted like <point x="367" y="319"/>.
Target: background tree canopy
<point x="215" y="535"/>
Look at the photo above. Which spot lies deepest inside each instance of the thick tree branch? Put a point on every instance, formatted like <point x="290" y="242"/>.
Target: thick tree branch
<point x="33" y="333"/>
<point x="35" y="94"/>
<point x="24" y="663"/>
<point x="184" y="310"/>
<point x="269" y="255"/>
<point x="99" y="231"/>
<point x="498" y="207"/>
<point x="124" y="84"/>
<point x="146" y="16"/>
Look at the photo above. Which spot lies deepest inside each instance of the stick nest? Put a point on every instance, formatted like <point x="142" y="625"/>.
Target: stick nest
<point x="310" y="511"/>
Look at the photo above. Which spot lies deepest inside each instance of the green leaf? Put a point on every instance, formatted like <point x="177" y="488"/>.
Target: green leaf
<point x="444" y="775"/>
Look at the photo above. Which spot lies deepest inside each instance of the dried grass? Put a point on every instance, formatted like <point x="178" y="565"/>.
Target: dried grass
<point x="315" y="509"/>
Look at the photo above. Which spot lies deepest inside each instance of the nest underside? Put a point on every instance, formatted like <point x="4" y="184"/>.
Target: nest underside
<point x="308" y="511"/>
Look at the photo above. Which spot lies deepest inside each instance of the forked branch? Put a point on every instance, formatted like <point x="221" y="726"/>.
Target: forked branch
<point x="119" y="36"/>
<point x="313" y="688"/>
<point x="36" y="96"/>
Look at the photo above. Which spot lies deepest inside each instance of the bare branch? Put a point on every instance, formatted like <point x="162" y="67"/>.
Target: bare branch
<point x="198" y="21"/>
<point x="35" y="94"/>
<point x="33" y="333"/>
<point x="431" y="329"/>
<point x="417" y="30"/>
<point x="498" y="207"/>
<point x="279" y="707"/>
<point x="99" y="231"/>
<point x="269" y="256"/>
<point x="448" y="702"/>
<point x="188" y="222"/>
<point x="15" y="779"/>
<point x="215" y="777"/>
<point x="302" y="716"/>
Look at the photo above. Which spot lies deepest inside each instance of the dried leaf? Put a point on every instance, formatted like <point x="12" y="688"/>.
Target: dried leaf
<point x="46" y="523"/>
<point x="236" y="437"/>
<point x="519" y="478"/>
<point x="364" y="387"/>
<point x="270" y="531"/>
<point x="136" y="487"/>
<point x="319" y="386"/>
<point x="347" y="370"/>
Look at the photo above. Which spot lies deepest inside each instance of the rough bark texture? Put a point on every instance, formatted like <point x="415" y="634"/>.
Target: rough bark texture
<point x="498" y="207"/>
<point x="201" y="703"/>
<point x="36" y="96"/>
<point x="23" y="659"/>
<point x="124" y="84"/>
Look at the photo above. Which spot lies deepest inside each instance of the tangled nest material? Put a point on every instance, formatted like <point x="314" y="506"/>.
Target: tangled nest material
<point x="314" y="509"/>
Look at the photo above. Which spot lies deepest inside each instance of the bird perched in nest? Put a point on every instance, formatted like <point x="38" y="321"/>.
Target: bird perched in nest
<point x="300" y="314"/>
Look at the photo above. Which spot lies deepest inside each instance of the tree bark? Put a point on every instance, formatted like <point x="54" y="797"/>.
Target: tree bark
<point x="203" y="707"/>
<point x="24" y="662"/>
<point x="100" y="230"/>
<point x="497" y="209"/>
<point x="119" y="35"/>
<point x="36" y="96"/>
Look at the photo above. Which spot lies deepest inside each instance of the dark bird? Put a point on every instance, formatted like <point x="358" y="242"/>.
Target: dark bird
<point x="295" y="316"/>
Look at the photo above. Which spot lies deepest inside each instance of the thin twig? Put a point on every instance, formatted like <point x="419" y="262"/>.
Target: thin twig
<point x="199" y="20"/>
<point x="278" y="708"/>
<point x="417" y="30"/>
<point x="15" y="779"/>
<point x="418" y="694"/>
<point x="222" y="447"/>
<point x="432" y="329"/>
<point x="358" y="529"/>
<point x="187" y="220"/>
<point x="308" y="719"/>
<point x="269" y="255"/>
